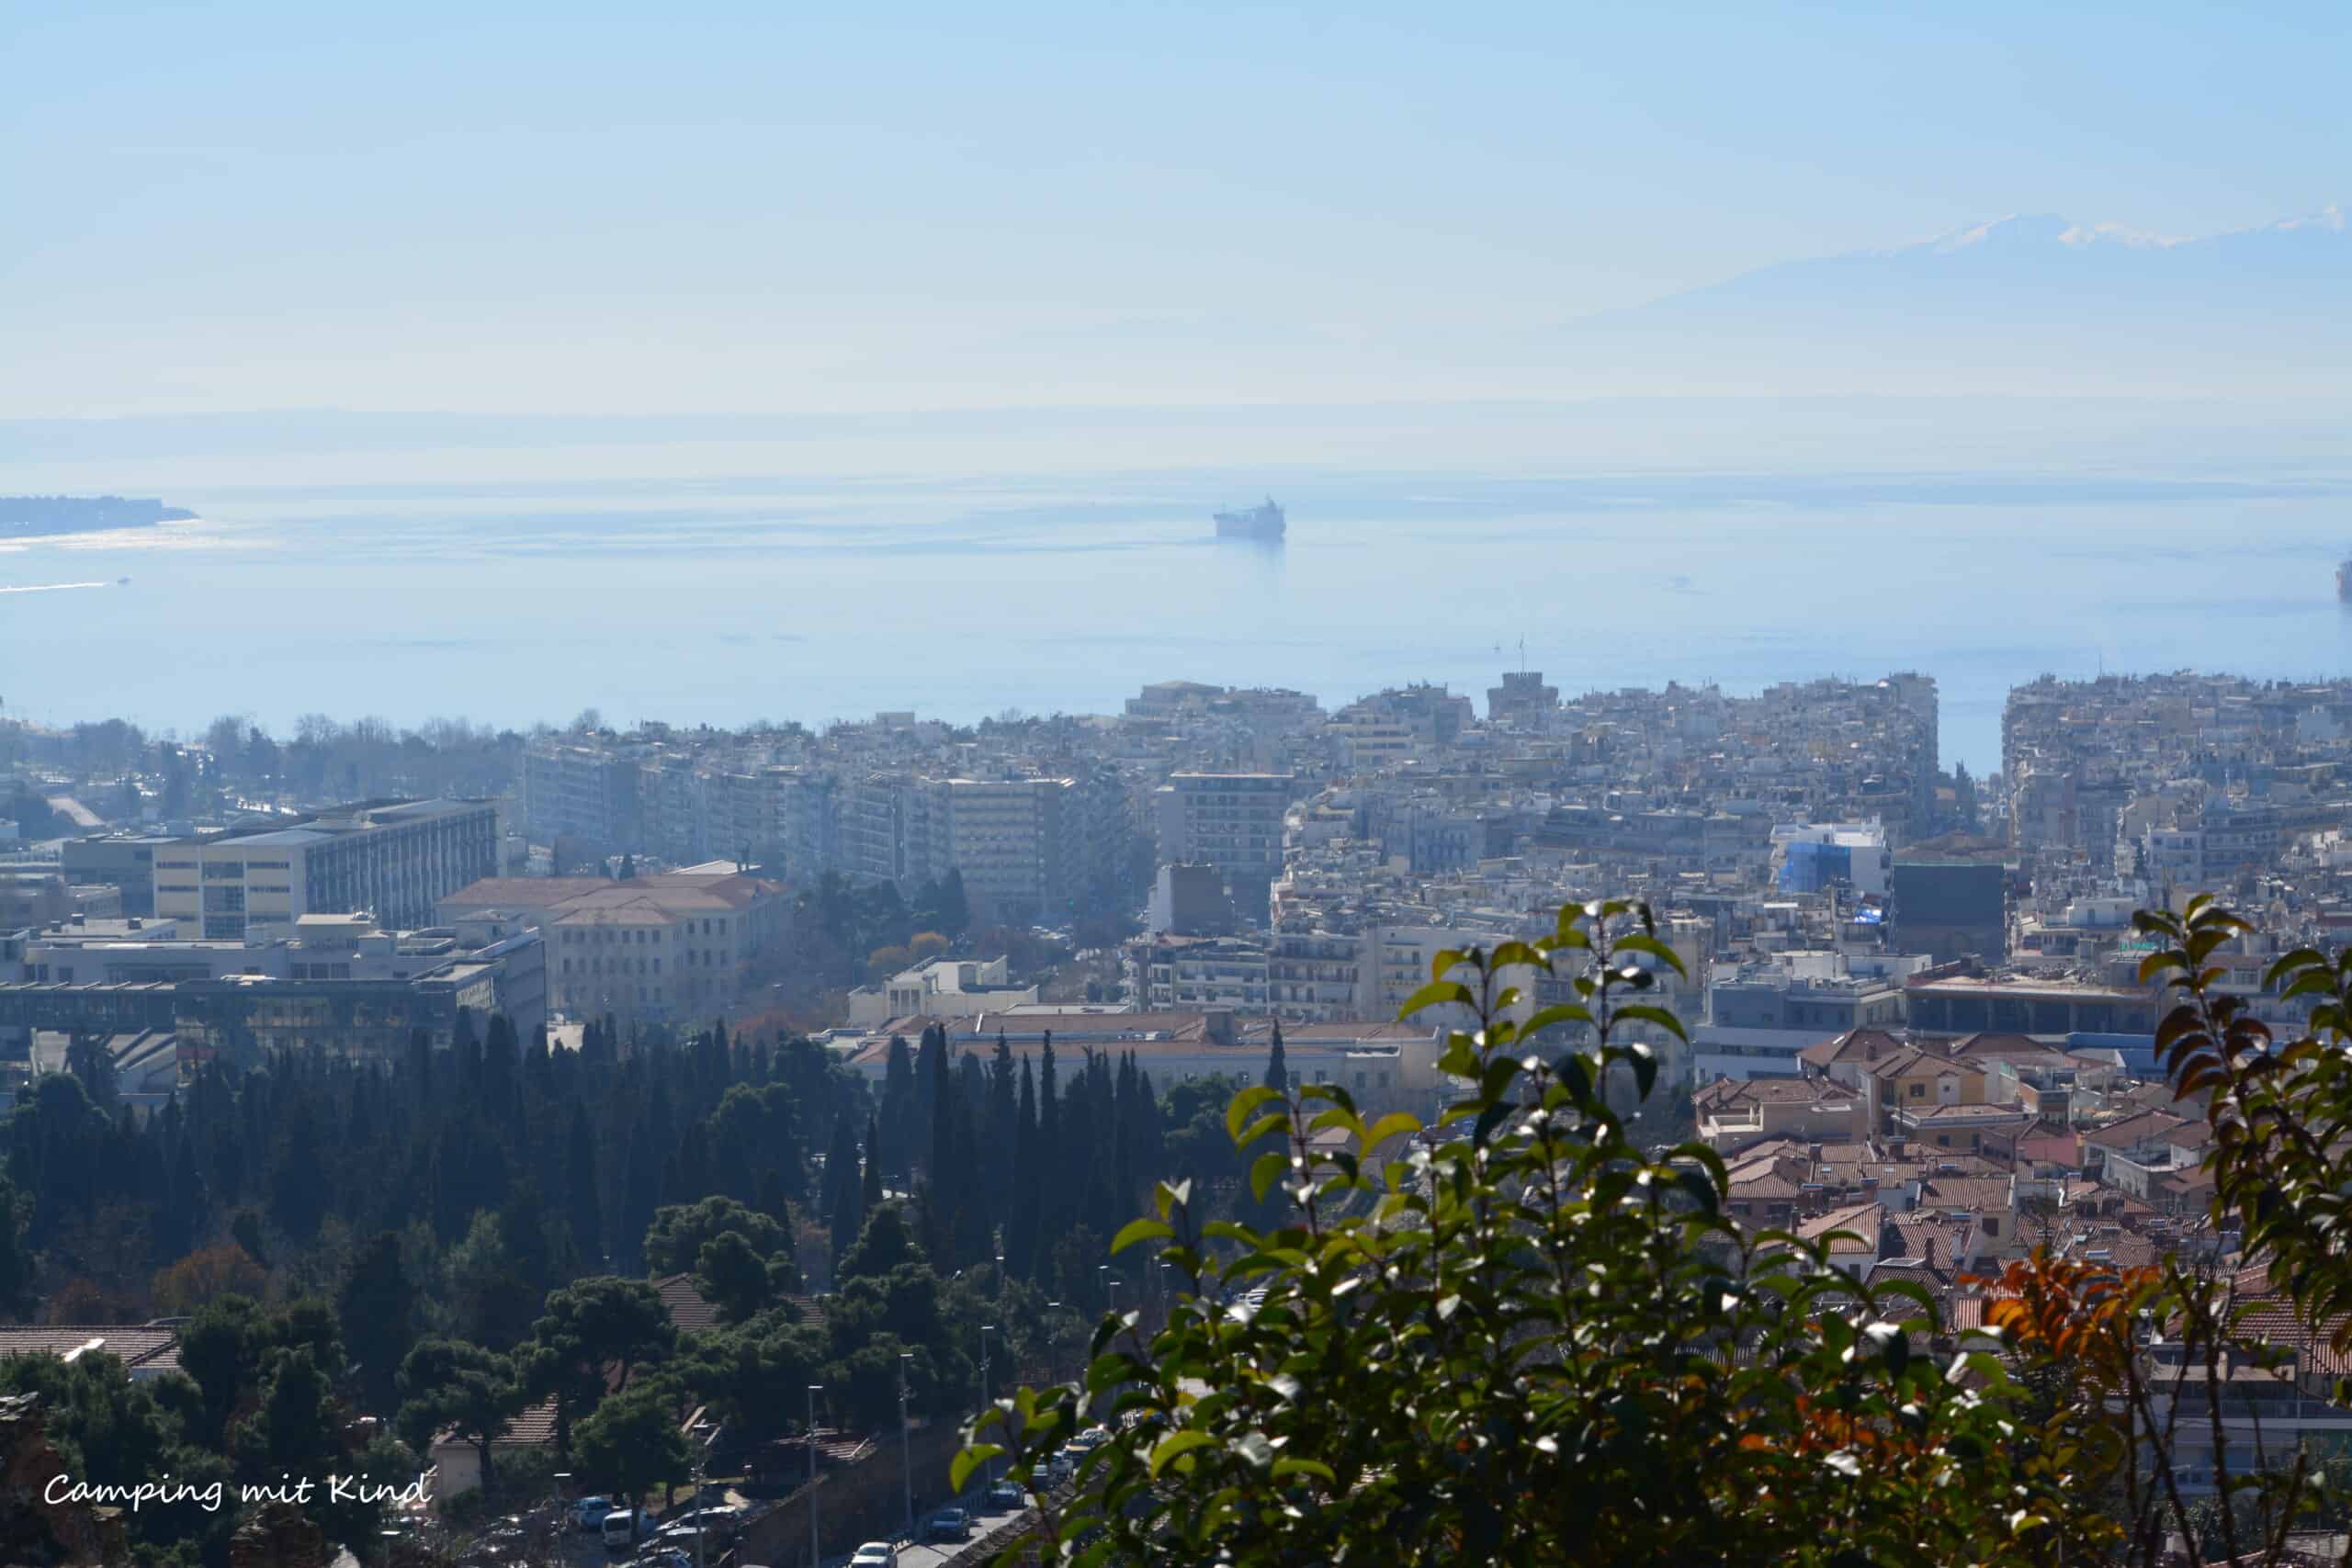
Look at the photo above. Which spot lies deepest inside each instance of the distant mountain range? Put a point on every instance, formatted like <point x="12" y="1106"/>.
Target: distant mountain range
<point x="2021" y="305"/>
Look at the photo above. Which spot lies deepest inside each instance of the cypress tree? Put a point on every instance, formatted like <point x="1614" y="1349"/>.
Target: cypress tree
<point x="897" y="1122"/>
<point x="930" y="1065"/>
<point x="1277" y="1070"/>
<point x="845" y="1192"/>
<point x="869" y="1189"/>
<point x="1020" y="1214"/>
<point x="582" y="1208"/>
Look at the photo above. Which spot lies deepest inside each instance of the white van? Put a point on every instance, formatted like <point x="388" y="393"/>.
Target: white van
<point x="622" y="1530"/>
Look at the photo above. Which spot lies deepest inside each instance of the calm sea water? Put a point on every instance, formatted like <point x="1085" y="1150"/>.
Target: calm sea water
<point x="725" y="600"/>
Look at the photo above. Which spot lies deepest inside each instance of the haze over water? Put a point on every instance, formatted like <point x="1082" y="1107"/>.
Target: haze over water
<point x="489" y="586"/>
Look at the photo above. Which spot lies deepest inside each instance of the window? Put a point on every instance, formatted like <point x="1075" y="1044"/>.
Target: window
<point x="1918" y="1092"/>
<point x="1992" y="1224"/>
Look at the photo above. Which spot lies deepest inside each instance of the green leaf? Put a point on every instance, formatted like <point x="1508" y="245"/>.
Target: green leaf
<point x="1175" y="1446"/>
<point x="1645" y="1013"/>
<point x="1655" y="948"/>
<point x="960" y="1473"/>
<point x="1314" y="1467"/>
<point x="1389" y="1126"/>
<point x="1140" y="1230"/>
<point x="1436" y="994"/>
<point x="1247" y="1100"/>
<point x="1265" y="1170"/>
<point x="1272" y="1122"/>
<point x="1553" y="1016"/>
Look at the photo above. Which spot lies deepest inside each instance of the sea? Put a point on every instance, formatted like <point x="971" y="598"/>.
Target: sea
<point x="378" y="586"/>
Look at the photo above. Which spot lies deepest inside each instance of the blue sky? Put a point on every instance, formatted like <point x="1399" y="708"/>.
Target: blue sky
<point x="534" y="207"/>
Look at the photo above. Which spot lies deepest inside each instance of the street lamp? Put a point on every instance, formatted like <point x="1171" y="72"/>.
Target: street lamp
<point x="1054" y="1341"/>
<point x="1110" y="1287"/>
<point x="906" y="1444"/>
<point x="989" y="1472"/>
<point x="816" y="1560"/>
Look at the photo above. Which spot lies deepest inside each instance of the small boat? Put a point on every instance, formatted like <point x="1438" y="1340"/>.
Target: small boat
<point x="122" y="583"/>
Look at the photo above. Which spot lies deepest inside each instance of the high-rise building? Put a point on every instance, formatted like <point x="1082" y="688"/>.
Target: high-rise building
<point x="582" y="792"/>
<point x="1232" y="821"/>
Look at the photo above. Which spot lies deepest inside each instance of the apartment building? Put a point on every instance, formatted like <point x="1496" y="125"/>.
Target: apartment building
<point x="390" y="859"/>
<point x="1232" y="821"/>
<point x="1184" y="973"/>
<point x="582" y="792"/>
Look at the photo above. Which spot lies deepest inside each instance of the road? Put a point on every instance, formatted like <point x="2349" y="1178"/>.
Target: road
<point x="928" y="1556"/>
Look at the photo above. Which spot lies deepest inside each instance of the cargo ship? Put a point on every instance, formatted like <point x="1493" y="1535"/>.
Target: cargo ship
<point x="1258" y="522"/>
<point x="2344" y="580"/>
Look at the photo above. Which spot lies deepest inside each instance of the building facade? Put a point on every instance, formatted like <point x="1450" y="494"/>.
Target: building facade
<point x="390" y="859"/>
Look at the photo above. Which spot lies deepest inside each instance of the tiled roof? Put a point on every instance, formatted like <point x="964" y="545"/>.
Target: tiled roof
<point x="2132" y="1130"/>
<point x="1854" y="1045"/>
<point x="1976" y="1193"/>
<point x="140" y="1347"/>
<point x="1864" y="1219"/>
<point x="692" y="1313"/>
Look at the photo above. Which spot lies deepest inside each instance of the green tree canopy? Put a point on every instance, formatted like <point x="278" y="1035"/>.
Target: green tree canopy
<point x="463" y="1388"/>
<point x="1510" y="1338"/>
<point x="674" y="1242"/>
<point x="633" y="1444"/>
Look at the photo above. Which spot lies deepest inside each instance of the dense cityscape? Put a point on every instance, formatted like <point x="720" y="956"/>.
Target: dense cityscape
<point x="755" y="1060"/>
<point x="1389" y="787"/>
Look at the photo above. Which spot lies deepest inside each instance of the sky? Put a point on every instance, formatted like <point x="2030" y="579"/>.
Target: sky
<point x="705" y="207"/>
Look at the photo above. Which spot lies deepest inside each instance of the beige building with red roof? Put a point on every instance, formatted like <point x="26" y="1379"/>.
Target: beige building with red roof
<point x="680" y="944"/>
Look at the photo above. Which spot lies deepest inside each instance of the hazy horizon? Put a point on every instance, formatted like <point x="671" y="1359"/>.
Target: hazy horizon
<point x="525" y="209"/>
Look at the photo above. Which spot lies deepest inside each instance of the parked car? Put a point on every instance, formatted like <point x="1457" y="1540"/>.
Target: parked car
<point x="1007" y="1495"/>
<point x="621" y="1528"/>
<point x="589" y="1513"/>
<point x="661" y="1556"/>
<point x="724" y="1520"/>
<point x="875" y="1554"/>
<point x="949" y="1524"/>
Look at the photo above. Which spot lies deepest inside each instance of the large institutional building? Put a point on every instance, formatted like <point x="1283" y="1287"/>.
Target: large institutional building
<point x="392" y="859"/>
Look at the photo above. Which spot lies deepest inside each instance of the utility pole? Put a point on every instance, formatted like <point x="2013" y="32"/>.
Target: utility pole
<point x="1054" y="1342"/>
<point x="906" y="1444"/>
<point x="815" y="1560"/>
<point x="699" y="1527"/>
